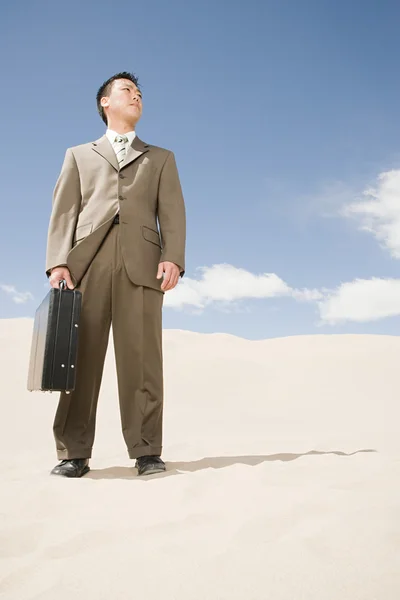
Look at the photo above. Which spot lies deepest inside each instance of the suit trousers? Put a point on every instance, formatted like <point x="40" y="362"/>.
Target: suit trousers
<point x="135" y="312"/>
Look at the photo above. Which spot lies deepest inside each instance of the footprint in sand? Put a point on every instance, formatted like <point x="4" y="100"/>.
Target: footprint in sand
<point x="17" y="541"/>
<point x="84" y="542"/>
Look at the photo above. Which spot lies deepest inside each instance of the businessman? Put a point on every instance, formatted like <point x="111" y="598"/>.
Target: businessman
<point x="117" y="233"/>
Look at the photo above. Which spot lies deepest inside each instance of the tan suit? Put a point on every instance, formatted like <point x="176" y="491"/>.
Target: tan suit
<point x="115" y="267"/>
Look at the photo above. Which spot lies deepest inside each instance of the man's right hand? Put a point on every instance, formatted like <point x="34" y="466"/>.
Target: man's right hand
<point x="59" y="273"/>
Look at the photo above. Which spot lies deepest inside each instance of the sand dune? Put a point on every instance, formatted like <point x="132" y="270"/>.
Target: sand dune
<point x="283" y="461"/>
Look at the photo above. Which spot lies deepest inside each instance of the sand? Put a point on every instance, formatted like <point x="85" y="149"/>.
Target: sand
<point x="282" y="482"/>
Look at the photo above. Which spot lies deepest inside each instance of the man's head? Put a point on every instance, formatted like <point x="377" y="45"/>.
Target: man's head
<point x="119" y="99"/>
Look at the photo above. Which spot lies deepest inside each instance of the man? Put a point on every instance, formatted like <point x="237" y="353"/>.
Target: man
<point x="117" y="233"/>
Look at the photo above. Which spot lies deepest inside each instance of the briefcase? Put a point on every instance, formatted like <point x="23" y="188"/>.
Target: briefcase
<point x="52" y="364"/>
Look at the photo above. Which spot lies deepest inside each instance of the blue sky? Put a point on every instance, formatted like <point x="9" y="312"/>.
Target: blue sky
<point x="284" y="120"/>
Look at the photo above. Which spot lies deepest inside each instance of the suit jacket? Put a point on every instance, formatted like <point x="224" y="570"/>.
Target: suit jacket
<point x="146" y="192"/>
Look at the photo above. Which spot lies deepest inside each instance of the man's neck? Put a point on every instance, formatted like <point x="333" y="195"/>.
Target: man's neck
<point x="120" y="127"/>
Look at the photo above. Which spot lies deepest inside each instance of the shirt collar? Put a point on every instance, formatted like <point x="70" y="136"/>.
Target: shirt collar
<point x="111" y="135"/>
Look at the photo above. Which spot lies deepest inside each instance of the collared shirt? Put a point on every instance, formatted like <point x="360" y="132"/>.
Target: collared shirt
<point x="111" y="137"/>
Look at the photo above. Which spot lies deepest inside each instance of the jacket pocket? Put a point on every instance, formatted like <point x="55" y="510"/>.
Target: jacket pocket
<point x="82" y="231"/>
<point x="151" y="235"/>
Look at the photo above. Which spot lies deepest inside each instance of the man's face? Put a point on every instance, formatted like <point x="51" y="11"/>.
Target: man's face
<point x="124" y="102"/>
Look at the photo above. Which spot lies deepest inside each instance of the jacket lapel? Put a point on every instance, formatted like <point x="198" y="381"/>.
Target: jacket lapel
<point x="136" y="149"/>
<point x="104" y="148"/>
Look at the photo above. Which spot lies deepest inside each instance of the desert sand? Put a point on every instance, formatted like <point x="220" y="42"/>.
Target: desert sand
<point x="282" y="482"/>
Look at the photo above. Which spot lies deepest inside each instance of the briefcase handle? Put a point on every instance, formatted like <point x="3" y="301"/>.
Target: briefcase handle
<point x="63" y="284"/>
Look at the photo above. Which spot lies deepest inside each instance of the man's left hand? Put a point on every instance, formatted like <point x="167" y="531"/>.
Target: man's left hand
<point x="171" y="276"/>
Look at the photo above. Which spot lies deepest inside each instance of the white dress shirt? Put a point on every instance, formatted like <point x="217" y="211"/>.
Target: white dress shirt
<point x="111" y="136"/>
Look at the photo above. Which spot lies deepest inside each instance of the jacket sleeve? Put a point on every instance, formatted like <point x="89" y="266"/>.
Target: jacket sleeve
<point x="172" y="215"/>
<point x="65" y="210"/>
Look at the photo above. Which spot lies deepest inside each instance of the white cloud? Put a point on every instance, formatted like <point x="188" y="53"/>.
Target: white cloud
<point x="378" y="211"/>
<point x="18" y="297"/>
<point x="329" y="199"/>
<point x="307" y="295"/>
<point x="361" y="300"/>
<point x="224" y="284"/>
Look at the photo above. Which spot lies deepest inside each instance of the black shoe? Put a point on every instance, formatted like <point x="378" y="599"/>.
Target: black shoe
<point x="147" y="465"/>
<point x="73" y="467"/>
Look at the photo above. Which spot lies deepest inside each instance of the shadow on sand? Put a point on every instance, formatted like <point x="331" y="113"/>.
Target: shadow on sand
<point x="213" y="462"/>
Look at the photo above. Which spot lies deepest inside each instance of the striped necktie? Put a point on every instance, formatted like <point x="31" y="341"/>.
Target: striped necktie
<point x="120" y="147"/>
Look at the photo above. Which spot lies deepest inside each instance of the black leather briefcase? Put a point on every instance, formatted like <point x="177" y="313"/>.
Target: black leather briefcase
<point x="52" y="364"/>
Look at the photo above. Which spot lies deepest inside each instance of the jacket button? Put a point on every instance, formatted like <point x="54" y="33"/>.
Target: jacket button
<point x="121" y="198"/>
<point x="121" y="176"/>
